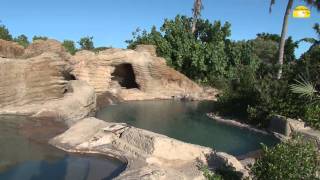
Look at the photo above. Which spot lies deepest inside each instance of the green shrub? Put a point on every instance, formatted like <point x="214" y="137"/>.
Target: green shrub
<point x="22" y="40"/>
<point x="69" y="45"/>
<point x="86" y="43"/>
<point x="312" y="115"/>
<point x="292" y="160"/>
<point x="39" y="38"/>
<point x="4" y="33"/>
<point x="209" y="175"/>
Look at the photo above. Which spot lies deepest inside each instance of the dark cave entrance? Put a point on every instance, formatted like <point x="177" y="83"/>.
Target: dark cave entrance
<point x="125" y="76"/>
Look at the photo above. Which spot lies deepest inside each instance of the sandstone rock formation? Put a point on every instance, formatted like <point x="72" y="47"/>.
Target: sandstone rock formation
<point x="27" y="81"/>
<point x="134" y="75"/>
<point x="10" y="49"/>
<point x="40" y="85"/>
<point x="41" y="46"/>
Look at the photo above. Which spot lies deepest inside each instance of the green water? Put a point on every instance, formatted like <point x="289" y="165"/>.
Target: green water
<point x="24" y="159"/>
<point x="186" y="121"/>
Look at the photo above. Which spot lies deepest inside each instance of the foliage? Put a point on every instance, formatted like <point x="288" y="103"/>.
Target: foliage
<point x="209" y="175"/>
<point x="295" y="159"/>
<point x="22" y="40"/>
<point x="39" y="38"/>
<point x="255" y="95"/>
<point x="265" y="49"/>
<point x="200" y="56"/>
<point x="4" y="33"/>
<point x="312" y="116"/>
<point x="304" y="88"/>
<point x="69" y="45"/>
<point x="86" y="43"/>
<point x="274" y="40"/>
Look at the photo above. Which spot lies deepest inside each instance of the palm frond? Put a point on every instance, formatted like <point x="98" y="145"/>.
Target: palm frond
<point x="308" y="40"/>
<point x="316" y="27"/>
<point x="314" y="3"/>
<point x="272" y="2"/>
<point x="304" y="88"/>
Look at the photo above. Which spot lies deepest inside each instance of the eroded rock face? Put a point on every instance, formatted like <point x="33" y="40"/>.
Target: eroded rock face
<point x="41" y="46"/>
<point x="27" y="81"/>
<point x="10" y="49"/>
<point x="39" y="84"/>
<point x="134" y="75"/>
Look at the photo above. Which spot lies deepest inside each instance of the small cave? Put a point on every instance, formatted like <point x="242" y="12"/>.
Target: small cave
<point x="68" y="77"/>
<point x="125" y="76"/>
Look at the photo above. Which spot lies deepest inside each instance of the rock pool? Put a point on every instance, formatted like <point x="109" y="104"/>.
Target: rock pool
<point x="24" y="154"/>
<point x="186" y="121"/>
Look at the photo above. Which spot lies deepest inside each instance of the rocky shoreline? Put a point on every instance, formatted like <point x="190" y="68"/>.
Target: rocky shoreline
<point x="236" y="123"/>
<point x="44" y="81"/>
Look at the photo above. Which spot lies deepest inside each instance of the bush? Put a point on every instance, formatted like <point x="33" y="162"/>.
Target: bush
<point x="39" y="38"/>
<point x="22" y="40"/>
<point x="69" y="46"/>
<point x="209" y="175"/>
<point x="4" y="33"/>
<point x="86" y="43"/>
<point x="312" y="115"/>
<point x="291" y="160"/>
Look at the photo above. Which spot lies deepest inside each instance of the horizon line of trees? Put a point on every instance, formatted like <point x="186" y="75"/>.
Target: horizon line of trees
<point x="85" y="43"/>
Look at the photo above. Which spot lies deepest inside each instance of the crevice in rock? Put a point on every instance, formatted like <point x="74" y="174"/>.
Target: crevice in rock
<point x="125" y="76"/>
<point x="68" y="76"/>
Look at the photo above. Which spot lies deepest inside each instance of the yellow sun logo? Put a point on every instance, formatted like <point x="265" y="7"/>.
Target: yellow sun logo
<point x="301" y="12"/>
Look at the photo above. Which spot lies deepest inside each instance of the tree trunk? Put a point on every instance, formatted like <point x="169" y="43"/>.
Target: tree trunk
<point x="196" y="13"/>
<point x="283" y="37"/>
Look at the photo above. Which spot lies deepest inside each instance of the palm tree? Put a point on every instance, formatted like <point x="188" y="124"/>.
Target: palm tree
<point x="315" y="3"/>
<point x="197" y="7"/>
<point x="315" y="42"/>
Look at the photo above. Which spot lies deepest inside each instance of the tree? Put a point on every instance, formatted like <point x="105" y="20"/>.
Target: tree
<point x="39" y="38"/>
<point x="86" y="43"/>
<point x="284" y="30"/>
<point x="200" y="56"/>
<point x="283" y="35"/>
<point x="22" y="40"/>
<point x="266" y="47"/>
<point x="197" y="7"/>
<point x="69" y="45"/>
<point x="4" y="33"/>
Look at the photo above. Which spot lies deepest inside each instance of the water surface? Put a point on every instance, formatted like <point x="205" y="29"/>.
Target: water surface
<point x="25" y="155"/>
<point x="186" y="121"/>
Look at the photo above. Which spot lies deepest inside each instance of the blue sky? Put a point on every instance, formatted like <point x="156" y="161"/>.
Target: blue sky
<point x="111" y="22"/>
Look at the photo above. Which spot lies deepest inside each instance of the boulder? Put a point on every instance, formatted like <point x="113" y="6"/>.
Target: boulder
<point x="286" y="126"/>
<point x="226" y="162"/>
<point x="9" y="49"/>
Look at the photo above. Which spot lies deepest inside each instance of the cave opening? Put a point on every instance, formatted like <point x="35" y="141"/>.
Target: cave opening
<point x="125" y="76"/>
